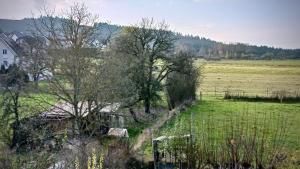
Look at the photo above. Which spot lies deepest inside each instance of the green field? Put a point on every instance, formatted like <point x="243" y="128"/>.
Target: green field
<point x="219" y="111"/>
<point x="252" y="77"/>
<point x="30" y="104"/>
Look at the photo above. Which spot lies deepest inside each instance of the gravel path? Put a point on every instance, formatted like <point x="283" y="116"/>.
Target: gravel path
<point x="147" y="133"/>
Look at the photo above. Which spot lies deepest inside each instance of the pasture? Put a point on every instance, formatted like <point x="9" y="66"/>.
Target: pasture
<point x="254" y="78"/>
<point x="251" y="77"/>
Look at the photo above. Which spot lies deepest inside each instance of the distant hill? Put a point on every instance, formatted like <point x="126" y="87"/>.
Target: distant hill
<point x="201" y="47"/>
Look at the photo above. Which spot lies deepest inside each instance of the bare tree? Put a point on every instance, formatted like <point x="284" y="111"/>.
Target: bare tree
<point x="35" y="59"/>
<point x="74" y="58"/>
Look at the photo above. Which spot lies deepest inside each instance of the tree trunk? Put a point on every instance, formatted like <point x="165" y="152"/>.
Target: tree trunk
<point x="147" y="105"/>
<point x="16" y="125"/>
<point x="148" y="87"/>
<point x="36" y="82"/>
<point x="76" y="122"/>
<point x="133" y="114"/>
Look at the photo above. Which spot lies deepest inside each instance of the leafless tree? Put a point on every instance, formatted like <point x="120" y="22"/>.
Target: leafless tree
<point x="35" y="58"/>
<point x="75" y="57"/>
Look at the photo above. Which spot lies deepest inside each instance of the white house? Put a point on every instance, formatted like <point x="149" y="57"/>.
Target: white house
<point x="9" y="51"/>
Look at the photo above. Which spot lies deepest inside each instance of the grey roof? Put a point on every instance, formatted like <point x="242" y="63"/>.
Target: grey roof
<point x="162" y="138"/>
<point x="64" y="110"/>
<point x="12" y="44"/>
<point x="118" y="132"/>
<point x="31" y="40"/>
<point x="18" y="34"/>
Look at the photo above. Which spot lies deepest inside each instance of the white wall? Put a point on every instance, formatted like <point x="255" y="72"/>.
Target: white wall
<point x="9" y="57"/>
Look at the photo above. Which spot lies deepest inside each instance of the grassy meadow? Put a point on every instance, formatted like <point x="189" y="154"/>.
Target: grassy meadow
<point x="251" y="77"/>
<point x="254" y="78"/>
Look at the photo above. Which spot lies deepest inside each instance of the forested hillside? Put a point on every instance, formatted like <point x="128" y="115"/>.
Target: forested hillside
<point x="201" y="47"/>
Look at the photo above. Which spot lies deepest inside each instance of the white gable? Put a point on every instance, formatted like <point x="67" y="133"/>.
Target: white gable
<point x="7" y="55"/>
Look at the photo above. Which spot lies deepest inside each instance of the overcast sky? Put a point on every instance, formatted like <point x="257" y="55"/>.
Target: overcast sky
<point x="260" y="22"/>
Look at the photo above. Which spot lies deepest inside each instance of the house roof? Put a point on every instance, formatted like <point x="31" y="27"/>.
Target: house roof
<point x="32" y="40"/>
<point x="11" y="43"/>
<point x="162" y="138"/>
<point x="118" y="132"/>
<point x="65" y="110"/>
<point x="18" y="34"/>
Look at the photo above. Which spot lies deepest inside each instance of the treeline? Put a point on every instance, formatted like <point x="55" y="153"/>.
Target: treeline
<point x="201" y="47"/>
<point x="212" y="50"/>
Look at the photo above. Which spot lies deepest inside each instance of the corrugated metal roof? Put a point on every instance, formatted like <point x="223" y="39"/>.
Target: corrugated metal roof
<point x="66" y="110"/>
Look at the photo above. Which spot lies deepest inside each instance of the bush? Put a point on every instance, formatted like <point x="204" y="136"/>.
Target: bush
<point x="182" y="84"/>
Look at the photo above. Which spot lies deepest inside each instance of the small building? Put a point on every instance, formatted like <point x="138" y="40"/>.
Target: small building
<point x="118" y="132"/>
<point x="15" y="35"/>
<point x="10" y="51"/>
<point x="60" y="115"/>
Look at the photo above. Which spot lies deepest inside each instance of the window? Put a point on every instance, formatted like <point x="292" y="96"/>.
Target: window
<point x="5" y="63"/>
<point x="4" y="51"/>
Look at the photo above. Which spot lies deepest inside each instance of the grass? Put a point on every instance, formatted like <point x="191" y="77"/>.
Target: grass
<point x="217" y="111"/>
<point x="29" y="106"/>
<point x="221" y="110"/>
<point x="252" y="77"/>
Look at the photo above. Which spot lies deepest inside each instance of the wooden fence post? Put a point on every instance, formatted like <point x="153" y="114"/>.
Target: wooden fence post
<point x="200" y="96"/>
<point x="215" y="91"/>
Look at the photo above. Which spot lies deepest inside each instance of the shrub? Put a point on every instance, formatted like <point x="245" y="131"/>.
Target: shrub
<point x="182" y="84"/>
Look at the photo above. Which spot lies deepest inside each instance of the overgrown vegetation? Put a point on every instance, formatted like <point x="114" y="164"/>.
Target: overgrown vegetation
<point x="241" y="143"/>
<point x="182" y="84"/>
<point x="227" y="133"/>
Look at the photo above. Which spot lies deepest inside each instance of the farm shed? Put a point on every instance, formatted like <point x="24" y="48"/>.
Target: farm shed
<point x="118" y="132"/>
<point x="64" y="112"/>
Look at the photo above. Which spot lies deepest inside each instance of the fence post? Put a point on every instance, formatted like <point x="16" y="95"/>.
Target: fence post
<point x="200" y="96"/>
<point x="155" y="154"/>
<point x="215" y="91"/>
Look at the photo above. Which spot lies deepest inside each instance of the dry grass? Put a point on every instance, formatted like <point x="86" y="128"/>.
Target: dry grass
<point x="252" y="77"/>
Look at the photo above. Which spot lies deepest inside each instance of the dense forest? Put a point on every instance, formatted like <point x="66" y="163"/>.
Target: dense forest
<point x="201" y="47"/>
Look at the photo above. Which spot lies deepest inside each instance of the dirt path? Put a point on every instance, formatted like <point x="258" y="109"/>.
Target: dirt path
<point x="147" y="133"/>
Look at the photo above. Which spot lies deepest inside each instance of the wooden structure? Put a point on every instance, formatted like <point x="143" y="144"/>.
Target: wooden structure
<point x="170" y="158"/>
<point x="118" y="132"/>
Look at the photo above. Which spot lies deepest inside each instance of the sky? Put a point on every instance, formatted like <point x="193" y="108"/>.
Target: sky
<point x="273" y="23"/>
